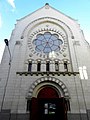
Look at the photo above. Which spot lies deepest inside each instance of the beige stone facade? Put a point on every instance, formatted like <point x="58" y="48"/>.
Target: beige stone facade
<point x="68" y="57"/>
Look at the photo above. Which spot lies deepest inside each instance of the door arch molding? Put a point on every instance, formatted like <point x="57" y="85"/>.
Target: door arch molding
<point x="54" y="82"/>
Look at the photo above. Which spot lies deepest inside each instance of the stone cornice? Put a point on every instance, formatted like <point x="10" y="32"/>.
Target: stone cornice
<point x="47" y="73"/>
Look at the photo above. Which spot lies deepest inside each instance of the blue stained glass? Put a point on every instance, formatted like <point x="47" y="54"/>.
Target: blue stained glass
<point x="56" y="42"/>
<point x="39" y="35"/>
<point x="41" y="38"/>
<point x="53" y="38"/>
<point x="37" y="49"/>
<point x="56" y="36"/>
<point x="60" y="41"/>
<point x="44" y="44"/>
<point x="57" y="49"/>
<point x="37" y="42"/>
<point x="47" y="33"/>
<point x="40" y="47"/>
<point x="47" y="50"/>
<point x="47" y="42"/>
<point x="34" y="41"/>
<point x="54" y="47"/>
<point x="43" y="41"/>
<point x="47" y="46"/>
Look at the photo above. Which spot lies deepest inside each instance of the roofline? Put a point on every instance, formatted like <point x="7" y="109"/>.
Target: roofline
<point x="47" y="4"/>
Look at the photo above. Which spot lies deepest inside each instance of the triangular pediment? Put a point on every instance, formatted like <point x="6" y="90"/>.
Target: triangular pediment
<point x="47" y="11"/>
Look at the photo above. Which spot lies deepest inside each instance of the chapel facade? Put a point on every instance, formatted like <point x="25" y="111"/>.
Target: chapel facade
<point x="45" y="71"/>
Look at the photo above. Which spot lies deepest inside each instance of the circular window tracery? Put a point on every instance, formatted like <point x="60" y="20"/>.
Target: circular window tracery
<point x="47" y="43"/>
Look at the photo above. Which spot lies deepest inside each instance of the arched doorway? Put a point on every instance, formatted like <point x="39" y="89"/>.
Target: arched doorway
<point x="48" y="92"/>
<point x="48" y="105"/>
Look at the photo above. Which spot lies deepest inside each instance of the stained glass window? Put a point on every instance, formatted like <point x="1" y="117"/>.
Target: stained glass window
<point x="47" y="42"/>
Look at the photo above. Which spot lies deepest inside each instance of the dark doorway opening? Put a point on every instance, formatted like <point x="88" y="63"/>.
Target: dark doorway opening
<point x="48" y="105"/>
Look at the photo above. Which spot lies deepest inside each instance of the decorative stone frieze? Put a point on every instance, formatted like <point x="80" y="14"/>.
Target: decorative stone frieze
<point x="51" y="80"/>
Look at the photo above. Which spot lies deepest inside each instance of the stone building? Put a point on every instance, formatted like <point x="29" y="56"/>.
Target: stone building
<point x="45" y="71"/>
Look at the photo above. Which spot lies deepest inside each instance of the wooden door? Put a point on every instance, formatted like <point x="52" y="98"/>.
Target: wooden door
<point x="48" y="106"/>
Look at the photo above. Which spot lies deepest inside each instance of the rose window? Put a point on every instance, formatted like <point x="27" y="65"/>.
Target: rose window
<point x="47" y="42"/>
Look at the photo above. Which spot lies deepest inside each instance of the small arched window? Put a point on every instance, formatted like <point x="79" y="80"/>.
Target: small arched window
<point x="56" y="66"/>
<point x="65" y="66"/>
<point x="30" y="66"/>
<point x="47" y="65"/>
<point x="39" y="66"/>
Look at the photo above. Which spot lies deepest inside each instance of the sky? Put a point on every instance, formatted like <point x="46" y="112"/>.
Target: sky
<point x="13" y="10"/>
